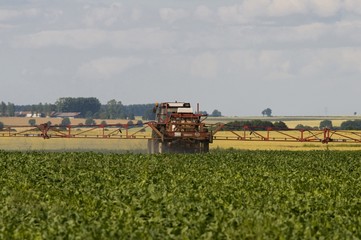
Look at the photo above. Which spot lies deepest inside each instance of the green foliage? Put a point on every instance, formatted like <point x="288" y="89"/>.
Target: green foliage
<point x="304" y="127"/>
<point x="86" y="106"/>
<point x="267" y="112"/>
<point x="326" y="124"/>
<point x="32" y="122"/>
<point x="89" y="108"/>
<point x="3" y="109"/>
<point x="11" y="109"/>
<point x="254" y="125"/>
<point x="351" y="125"/>
<point x="216" y="113"/>
<point x="1" y="126"/>
<point x="90" y="121"/>
<point x="221" y="195"/>
<point x="280" y="125"/>
<point x="65" y="122"/>
<point x="149" y="114"/>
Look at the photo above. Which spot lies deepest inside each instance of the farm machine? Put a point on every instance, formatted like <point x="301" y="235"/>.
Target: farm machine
<point x="177" y="128"/>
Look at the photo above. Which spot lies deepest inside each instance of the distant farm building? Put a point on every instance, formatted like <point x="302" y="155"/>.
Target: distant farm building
<point x="67" y="115"/>
<point x="29" y="114"/>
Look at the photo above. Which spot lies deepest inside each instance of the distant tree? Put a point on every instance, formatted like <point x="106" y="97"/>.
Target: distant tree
<point x="114" y="109"/>
<point x="304" y="127"/>
<point x="216" y="113"/>
<point x="3" y="109"/>
<point x="11" y="109"/>
<point x="267" y="112"/>
<point x="103" y="122"/>
<point x="1" y="126"/>
<point x="130" y="123"/>
<point x="131" y="116"/>
<point x="280" y="125"/>
<point x="90" y="121"/>
<point x="32" y="122"/>
<point x="140" y="124"/>
<point x="88" y="114"/>
<point x="149" y="114"/>
<point x="252" y="125"/>
<point x="82" y="105"/>
<point x="326" y="124"/>
<point x="355" y="113"/>
<point x="351" y="125"/>
<point x="65" y="122"/>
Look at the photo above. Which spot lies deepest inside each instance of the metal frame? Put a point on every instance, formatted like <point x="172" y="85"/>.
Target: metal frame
<point x="125" y="131"/>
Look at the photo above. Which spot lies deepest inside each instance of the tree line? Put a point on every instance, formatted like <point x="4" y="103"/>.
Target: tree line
<point x="346" y="125"/>
<point x="87" y="107"/>
<point x="262" y="125"/>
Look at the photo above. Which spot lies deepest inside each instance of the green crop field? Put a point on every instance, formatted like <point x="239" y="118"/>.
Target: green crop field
<point x="219" y="195"/>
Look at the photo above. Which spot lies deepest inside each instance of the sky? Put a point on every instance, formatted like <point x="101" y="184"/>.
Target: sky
<point x="297" y="57"/>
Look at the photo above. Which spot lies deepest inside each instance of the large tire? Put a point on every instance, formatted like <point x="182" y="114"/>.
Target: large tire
<point x="205" y="147"/>
<point x="150" y="146"/>
<point x="153" y="146"/>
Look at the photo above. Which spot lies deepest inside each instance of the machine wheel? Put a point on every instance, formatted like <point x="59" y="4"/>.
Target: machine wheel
<point x="153" y="146"/>
<point x="205" y="147"/>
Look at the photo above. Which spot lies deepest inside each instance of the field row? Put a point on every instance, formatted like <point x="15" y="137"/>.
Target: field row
<point x="233" y="194"/>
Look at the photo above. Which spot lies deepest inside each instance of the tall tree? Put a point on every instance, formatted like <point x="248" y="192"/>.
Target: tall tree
<point x="326" y="124"/>
<point x="3" y="109"/>
<point x="267" y="112"/>
<point x="82" y="105"/>
<point x="216" y="113"/>
<point x="11" y="109"/>
<point x="114" y="109"/>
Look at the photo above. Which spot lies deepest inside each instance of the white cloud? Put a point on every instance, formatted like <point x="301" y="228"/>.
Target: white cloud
<point x="205" y="65"/>
<point x="325" y="8"/>
<point x="144" y="38"/>
<point x="89" y="38"/>
<point x="231" y="14"/>
<point x="251" y="10"/>
<point x="254" y="8"/>
<point x="287" y="7"/>
<point x="136" y="14"/>
<point x="9" y="14"/>
<point x="80" y="39"/>
<point x="104" y="15"/>
<point x="107" y="67"/>
<point x="353" y="6"/>
<point x="171" y="15"/>
<point x="203" y="13"/>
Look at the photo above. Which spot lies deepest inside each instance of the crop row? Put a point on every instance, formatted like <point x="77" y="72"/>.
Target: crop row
<point x="230" y="194"/>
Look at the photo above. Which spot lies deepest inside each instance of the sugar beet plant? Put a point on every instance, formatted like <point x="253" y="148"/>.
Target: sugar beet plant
<point x="220" y="195"/>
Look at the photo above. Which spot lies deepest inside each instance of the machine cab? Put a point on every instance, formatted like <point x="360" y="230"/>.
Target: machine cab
<point x="164" y="111"/>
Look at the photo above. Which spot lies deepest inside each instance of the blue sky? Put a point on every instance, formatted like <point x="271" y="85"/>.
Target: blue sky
<point x="298" y="57"/>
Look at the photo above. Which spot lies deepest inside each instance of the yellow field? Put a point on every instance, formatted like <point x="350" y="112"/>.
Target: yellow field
<point x="68" y="144"/>
<point x="140" y="145"/>
<point x="15" y="121"/>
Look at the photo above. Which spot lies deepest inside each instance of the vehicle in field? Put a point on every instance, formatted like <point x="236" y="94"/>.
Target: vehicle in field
<point x="177" y="129"/>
